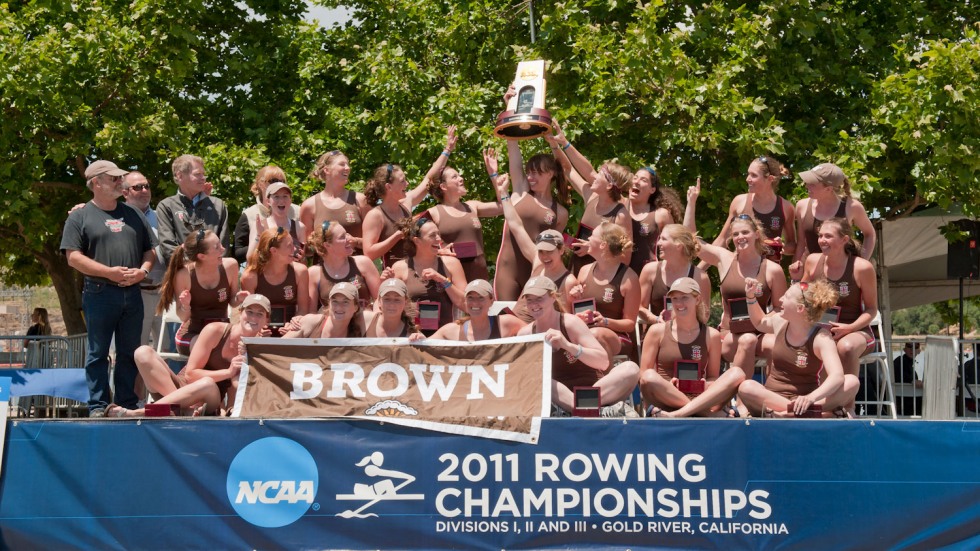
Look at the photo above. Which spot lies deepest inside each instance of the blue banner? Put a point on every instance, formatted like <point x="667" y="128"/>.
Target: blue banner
<point x="351" y="484"/>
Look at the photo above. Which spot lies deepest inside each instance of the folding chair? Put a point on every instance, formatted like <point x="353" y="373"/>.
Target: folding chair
<point x="885" y="396"/>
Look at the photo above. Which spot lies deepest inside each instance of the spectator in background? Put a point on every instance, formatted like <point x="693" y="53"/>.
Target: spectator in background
<point x="111" y="244"/>
<point x="39" y="323"/>
<point x="136" y="192"/>
<point x="903" y="367"/>
<point x="191" y="209"/>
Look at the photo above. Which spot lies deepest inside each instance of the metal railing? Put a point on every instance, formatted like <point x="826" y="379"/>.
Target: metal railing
<point x="43" y="352"/>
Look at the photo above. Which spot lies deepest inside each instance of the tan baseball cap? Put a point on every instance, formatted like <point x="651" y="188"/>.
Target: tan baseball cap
<point x="685" y="285"/>
<point x="276" y="187"/>
<point x="539" y="286"/>
<point x="826" y="174"/>
<point x="480" y="286"/>
<point x="549" y="240"/>
<point x="103" y="167"/>
<point x="344" y="288"/>
<point x="393" y="285"/>
<point x="257" y="299"/>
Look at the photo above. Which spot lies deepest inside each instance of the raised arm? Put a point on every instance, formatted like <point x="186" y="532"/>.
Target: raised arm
<point x="579" y="162"/>
<point x="414" y="196"/>
<point x="580" y="183"/>
<point x="693" y="192"/>
<point x="514" y="223"/>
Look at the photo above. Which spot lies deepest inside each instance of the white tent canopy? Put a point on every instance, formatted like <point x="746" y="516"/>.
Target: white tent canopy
<point x="911" y="259"/>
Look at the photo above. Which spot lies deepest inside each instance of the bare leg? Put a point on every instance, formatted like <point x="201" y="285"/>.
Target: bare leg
<point x="715" y="394"/>
<point x="202" y="391"/>
<point x="660" y="392"/>
<point x="851" y="347"/>
<point x="758" y="399"/>
<point x="618" y="383"/>
<point x="155" y="371"/>
<point x="562" y="396"/>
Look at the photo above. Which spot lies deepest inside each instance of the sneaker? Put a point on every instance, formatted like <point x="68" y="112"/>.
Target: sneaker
<point x="619" y="409"/>
<point x="96" y="413"/>
<point x="558" y="412"/>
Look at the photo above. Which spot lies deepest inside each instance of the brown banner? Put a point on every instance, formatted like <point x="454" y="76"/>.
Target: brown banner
<point x="498" y="389"/>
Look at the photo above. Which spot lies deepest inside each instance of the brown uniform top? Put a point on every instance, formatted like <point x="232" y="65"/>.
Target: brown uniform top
<point x="348" y="216"/>
<point x="461" y="229"/>
<point x="733" y="286"/>
<point x="661" y="287"/>
<point x="773" y="222"/>
<point x="811" y="224"/>
<point x="513" y="270"/>
<point x="671" y="351"/>
<point x="430" y="291"/>
<point x="281" y="295"/>
<point x="564" y="367"/>
<point x="795" y="371"/>
<point x="584" y="232"/>
<point x="353" y="276"/>
<point x="609" y="299"/>
<point x="389" y="228"/>
<point x="848" y="291"/>
<point x="208" y="304"/>
<point x="646" y="232"/>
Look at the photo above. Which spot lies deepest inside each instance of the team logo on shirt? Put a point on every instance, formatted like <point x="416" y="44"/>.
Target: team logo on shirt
<point x="843" y="289"/>
<point x="607" y="294"/>
<point x="696" y="352"/>
<point x="349" y="216"/>
<point x="568" y="356"/>
<point x="801" y="358"/>
<point x="476" y="223"/>
<point x="181" y="216"/>
<point x="288" y="292"/>
<point x="115" y="225"/>
<point x="644" y="228"/>
<point x="356" y="281"/>
<point x="775" y="224"/>
<point x="549" y="218"/>
<point x="223" y="294"/>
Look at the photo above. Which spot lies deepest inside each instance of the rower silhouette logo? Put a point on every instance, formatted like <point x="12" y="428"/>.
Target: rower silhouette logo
<point x="272" y="482"/>
<point x="386" y="487"/>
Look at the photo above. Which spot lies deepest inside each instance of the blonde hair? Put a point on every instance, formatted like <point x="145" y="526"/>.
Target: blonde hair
<point x="853" y="245"/>
<point x="327" y="159"/>
<point x="622" y="178"/>
<point x="685" y="237"/>
<point x="756" y="226"/>
<point x="817" y="298"/>
<point x="615" y="237"/>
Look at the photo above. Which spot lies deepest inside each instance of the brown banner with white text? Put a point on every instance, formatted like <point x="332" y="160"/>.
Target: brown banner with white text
<point x="497" y="389"/>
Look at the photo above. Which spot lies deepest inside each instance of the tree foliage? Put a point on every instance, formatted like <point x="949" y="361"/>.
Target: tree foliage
<point x="885" y="89"/>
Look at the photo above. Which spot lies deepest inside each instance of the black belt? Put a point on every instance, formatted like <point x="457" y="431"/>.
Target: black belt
<point x="150" y="287"/>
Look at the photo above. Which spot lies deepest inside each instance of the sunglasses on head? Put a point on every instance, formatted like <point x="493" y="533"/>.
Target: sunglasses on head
<point x="421" y="222"/>
<point x="390" y="168"/>
<point x="804" y="286"/>
<point x="323" y="229"/>
<point x="200" y="235"/>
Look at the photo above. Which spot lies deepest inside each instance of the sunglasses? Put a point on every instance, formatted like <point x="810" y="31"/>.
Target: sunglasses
<point x="200" y="235"/>
<point x="139" y="187"/>
<point x="804" y="286"/>
<point x="390" y="168"/>
<point x="323" y="229"/>
<point x="743" y="217"/>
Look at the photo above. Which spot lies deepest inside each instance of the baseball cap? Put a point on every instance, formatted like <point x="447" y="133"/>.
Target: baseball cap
<point x="276" y="187"/>
<point x="344" y="288"/>
<point x="826" y="174"/>
<point x="481" y="286"/>
<point x="103" y="167"/>
<point x="549" y="240"/>
<point x="685" y="285"/>
<point x="257" y="299"/>
<point x="539" y="286"/>
<point x="393" y="285"/>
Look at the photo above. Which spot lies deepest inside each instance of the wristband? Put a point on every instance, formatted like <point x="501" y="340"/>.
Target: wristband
<point x="751" y="302"/>
<point x="448" y="283"/>
<point x="579" y="353"/>
<point x="605" y="322"/>
<point x="446" y="153"/>
<point x="146" y="273"/>
<point x="494" y="175"/>
<point x="504" y="198"/>
<point x="566" y="146"/>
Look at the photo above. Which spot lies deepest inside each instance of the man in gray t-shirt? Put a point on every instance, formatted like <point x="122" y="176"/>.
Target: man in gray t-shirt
<point x="111" y="244"/>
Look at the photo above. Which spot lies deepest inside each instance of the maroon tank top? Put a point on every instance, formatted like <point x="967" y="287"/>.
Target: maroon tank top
<point x="795" y="370"/>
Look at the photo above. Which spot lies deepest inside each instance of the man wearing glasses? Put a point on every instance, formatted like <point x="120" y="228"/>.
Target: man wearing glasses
<point x="136" y="192"/>
<point x="111" y="244"/>
<point x="191" y="209"/>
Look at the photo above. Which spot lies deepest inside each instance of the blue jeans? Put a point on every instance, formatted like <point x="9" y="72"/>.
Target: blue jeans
<point x="111" y="310"/>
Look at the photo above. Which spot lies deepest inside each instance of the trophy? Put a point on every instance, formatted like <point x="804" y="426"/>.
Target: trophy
<point x="525" y="116"/>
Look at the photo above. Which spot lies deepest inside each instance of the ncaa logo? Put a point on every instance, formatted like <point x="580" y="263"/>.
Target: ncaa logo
<point x="272" y="482"/>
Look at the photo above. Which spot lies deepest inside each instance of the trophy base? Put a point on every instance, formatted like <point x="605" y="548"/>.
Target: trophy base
<point x="523" y="126"/>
